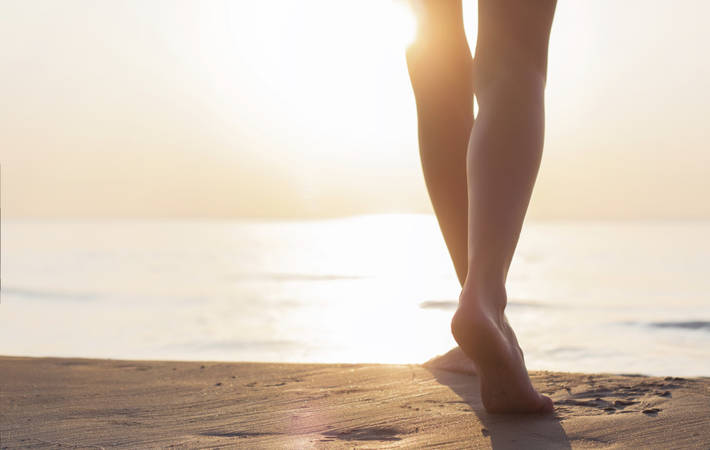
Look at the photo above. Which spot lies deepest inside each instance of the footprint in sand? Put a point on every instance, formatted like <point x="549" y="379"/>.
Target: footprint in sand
<point x="618" y="396"/>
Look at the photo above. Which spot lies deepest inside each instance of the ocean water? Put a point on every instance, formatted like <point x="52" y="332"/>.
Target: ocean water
<point x="620" y="297"/>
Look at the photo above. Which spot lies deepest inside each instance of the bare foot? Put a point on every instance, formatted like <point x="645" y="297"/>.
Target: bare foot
<point x="455" y="360"/>
<point x="484" y="334"/>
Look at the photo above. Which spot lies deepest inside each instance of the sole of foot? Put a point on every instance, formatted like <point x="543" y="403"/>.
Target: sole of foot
<point x="485" y="336"/>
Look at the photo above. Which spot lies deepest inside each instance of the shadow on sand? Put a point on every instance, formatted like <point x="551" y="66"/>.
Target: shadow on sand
<point x="506" y="431"/>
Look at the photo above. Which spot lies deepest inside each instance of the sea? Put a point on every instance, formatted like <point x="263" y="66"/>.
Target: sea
<point x="611" y="297"/>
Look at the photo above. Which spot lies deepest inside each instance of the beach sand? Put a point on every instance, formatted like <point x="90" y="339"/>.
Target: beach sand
<point x="105" y="403"/>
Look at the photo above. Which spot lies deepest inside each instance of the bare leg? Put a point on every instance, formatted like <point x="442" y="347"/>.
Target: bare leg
<point x="441" y="71"/>
<point x="502" y="162"/>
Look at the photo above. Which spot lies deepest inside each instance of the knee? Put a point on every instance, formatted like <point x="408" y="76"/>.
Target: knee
<point x="510" y="77"/>
<point x="440" y="70"/>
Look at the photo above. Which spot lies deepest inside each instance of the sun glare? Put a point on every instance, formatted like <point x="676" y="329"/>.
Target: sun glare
<point x="404" y="23"/>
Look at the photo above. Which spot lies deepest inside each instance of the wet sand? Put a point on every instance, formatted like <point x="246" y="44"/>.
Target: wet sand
<point x="48" y="402"/>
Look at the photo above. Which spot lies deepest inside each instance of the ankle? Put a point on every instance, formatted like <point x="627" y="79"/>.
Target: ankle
<point x="489" y="297"/>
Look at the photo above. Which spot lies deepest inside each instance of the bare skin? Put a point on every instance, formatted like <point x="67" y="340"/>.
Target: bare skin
<point x="480" y="176"/>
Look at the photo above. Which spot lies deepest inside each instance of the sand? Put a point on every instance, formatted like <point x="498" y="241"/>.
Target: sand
<point x="48" y="402"/>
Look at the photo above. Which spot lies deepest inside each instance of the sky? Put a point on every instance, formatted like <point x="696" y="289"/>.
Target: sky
<point x="282" y="109"/>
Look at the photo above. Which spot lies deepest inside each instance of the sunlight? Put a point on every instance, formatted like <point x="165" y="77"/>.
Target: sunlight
<point x="404" y="24"/>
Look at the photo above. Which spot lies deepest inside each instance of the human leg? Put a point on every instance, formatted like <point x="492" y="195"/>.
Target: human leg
<point x="440" y="69"/>
<point x="503" y="158"/>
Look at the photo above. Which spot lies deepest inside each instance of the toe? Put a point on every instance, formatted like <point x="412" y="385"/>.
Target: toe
<point x="547" y="406"/>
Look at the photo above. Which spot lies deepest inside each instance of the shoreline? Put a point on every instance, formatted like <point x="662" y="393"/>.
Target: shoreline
<point x="99" y="402"/>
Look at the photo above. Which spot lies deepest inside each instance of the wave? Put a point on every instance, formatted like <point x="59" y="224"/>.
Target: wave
<point x="452" y="305"/>
<point x="42" y="294"/>
<point x="291" y="277"/>
<point x="235" y="344"/>
<point x="687" y="325"/>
